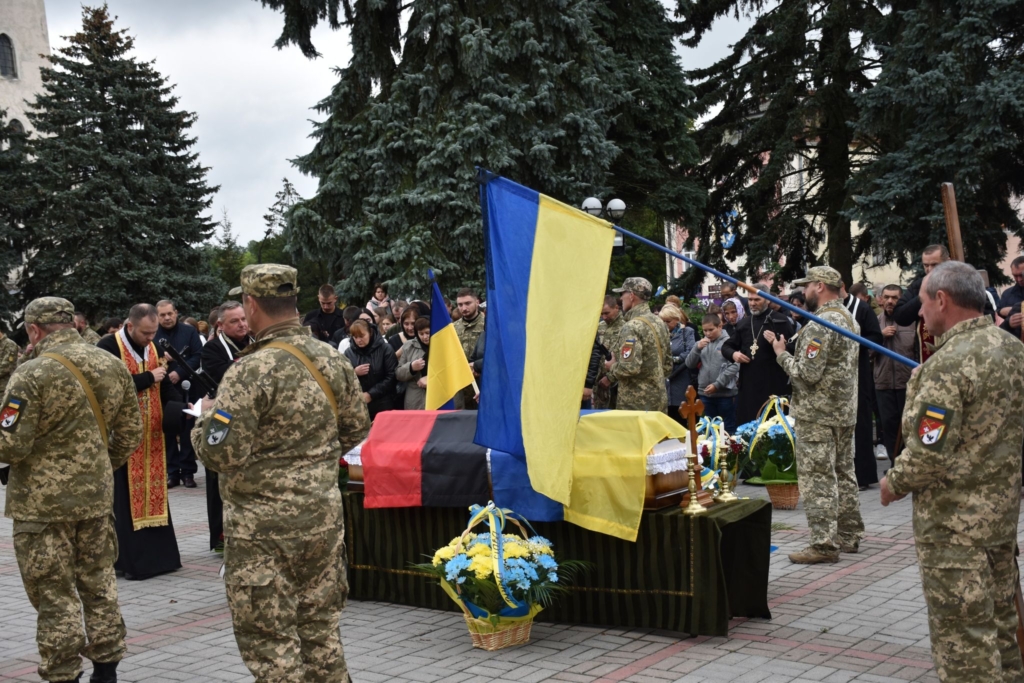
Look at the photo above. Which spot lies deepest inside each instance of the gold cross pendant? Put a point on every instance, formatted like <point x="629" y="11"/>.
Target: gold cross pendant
<point x="753" y="349"/>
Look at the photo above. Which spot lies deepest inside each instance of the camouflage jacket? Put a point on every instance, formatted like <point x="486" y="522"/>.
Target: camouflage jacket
<point x="963" y="425"/>
<point x="823" y="370"/>
<point x="274" y="439"/>
<point x="469" y="332"/>
<point x="8" y="360"/>
<point x="90" y="336"/>
<point x="60" y="470"/>
<point x="643" y="361"/>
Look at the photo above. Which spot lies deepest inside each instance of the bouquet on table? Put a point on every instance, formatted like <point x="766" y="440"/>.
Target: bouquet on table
<point x="769" y="443"/>
<point x="501" y="581"/>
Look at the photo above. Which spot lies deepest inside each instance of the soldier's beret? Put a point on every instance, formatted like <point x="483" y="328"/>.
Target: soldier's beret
<point x="268" y="280"/>
<point x="637" y="285"/>
<point x="48" y="310"/>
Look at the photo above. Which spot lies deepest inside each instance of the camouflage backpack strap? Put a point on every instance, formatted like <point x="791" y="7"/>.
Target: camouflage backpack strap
<point x="654" y="332"/>
<point x="88" y="393"/>
<point x="313" y="370"/>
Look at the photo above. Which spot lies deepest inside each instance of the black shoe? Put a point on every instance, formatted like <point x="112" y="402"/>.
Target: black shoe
<point x="70" y="680"/>
<point x="172" y="481"/>
<point x="104" y="672"/>
<point x="190" y="481"/>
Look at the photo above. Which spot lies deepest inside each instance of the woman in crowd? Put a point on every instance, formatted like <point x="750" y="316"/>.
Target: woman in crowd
<point x="385" y="325"/>
<point x="682" y="340"/>
<point x="413" y="368"/>
<point x="375" y="365"/>
<point x="380" y="299"/>
<point x="408" y="331"/>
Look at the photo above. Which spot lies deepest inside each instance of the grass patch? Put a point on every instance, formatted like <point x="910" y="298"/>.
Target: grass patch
<point x="781" y="526"/>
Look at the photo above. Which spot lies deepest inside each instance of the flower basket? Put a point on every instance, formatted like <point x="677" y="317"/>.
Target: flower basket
<point x="501" y="581"/>
<point x="784" y="496"/>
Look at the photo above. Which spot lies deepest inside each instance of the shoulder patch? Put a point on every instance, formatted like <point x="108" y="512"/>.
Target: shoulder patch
<point x="11" y="412"/>
<point x="813" y="348"/>
<point x="220" y="425"/>
<point x="931" y="426"/>
<point x="627" y="349"/>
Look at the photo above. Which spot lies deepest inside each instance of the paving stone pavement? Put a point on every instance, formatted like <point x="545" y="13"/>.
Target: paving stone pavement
<point x="862" y="619"/>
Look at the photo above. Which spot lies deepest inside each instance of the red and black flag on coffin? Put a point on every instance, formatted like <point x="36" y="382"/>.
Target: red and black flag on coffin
<point x="424" y="458"/>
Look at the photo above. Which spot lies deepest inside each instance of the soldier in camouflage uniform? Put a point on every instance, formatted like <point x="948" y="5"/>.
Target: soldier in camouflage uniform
<point x="469" y="328"/>
<point x="275" y="437"/>
<point x="962" y="429"/>
<point x="608" y="331"/>
<point x="8" y="360"/>
<point x="61" y="490"/>
<point x="82" y="325"/>
<point x="644" y="352"/>
<point x="823" y="371"/>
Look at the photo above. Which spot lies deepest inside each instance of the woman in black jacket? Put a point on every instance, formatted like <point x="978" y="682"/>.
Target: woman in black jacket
<point x="375" y="365"/>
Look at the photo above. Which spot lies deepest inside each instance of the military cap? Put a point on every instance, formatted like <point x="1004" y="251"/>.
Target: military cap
<point x="823" y="274"/>
<point x="268" y="280"/>
<point x="636" y="285"/>
<point x="48" y="310"/>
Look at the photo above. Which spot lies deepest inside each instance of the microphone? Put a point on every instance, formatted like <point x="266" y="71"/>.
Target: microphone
<point x="186" y="385"/>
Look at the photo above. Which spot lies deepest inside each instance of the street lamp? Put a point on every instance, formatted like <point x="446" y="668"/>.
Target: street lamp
<point x="615" y="210"/>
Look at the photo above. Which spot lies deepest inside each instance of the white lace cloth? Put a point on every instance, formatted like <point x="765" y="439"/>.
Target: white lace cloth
<point x="666" y="457"/>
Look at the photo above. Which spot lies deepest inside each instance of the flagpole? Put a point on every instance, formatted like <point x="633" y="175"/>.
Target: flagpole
<point x="785" y="304"/>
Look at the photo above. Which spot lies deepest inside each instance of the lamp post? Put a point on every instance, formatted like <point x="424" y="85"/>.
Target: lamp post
<point x="614" y="211"/>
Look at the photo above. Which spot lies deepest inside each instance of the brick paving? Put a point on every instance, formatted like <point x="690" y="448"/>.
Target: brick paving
<point x="862" y="619"/>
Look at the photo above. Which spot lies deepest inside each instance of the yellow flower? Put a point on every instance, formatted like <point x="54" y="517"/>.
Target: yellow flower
<point x="514" y="550"/>
<point x="443" y="555"/>
<point x="455" y="541"/>
<point x="481" y="566"/>
<point x="480" y="550"/>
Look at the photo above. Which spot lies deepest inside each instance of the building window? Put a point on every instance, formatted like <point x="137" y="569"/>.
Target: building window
<point x="8" y="66"/>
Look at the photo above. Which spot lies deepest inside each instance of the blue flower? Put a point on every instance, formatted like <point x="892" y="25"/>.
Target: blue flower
<point x="482" y="539"/>
<point x="454" y="566"/>
<point x="553" y="577"/>
<point x="547" y="562"/>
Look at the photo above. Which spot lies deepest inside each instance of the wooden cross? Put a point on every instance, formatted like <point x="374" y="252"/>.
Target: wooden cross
<point x="690" y="411"/>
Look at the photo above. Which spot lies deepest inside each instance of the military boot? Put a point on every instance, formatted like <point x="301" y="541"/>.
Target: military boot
<point x="104" y="672"/>
<point x="70" y="680"/>
<point x="812" y="556"/>
<point x="849" y="548"/>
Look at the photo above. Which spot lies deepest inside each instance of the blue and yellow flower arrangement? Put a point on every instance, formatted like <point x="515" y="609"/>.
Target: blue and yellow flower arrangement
<point x="500" y="580"/>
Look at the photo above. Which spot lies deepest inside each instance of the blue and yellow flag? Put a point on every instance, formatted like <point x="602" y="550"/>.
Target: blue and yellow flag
<point x="448" y="370"/>
<point x="547" y="269"/>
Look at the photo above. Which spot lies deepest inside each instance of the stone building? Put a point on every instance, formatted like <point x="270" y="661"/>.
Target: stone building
<point x="24" y="48"/>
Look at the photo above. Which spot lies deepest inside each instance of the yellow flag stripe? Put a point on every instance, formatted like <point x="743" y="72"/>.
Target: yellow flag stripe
<point x="448" y="370"/>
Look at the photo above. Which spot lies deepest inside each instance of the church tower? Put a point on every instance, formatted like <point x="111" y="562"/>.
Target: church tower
<point x="24" y="48"/>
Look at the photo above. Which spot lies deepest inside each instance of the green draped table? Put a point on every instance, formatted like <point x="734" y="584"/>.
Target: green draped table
<point x="686" y="574"/>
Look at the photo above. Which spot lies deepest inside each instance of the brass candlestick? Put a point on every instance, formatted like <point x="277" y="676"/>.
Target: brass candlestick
<point x="727" y="482"/>
<point x="691" y="410"/>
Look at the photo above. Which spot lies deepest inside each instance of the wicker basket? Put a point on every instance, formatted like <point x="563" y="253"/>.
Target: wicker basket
<point x="783" y="496"/>
<point x="486" y="636"/>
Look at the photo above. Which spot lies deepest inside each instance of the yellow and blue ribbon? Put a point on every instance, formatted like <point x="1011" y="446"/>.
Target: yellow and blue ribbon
<point x="495" y="519"/>
<point x="776" y="404"/>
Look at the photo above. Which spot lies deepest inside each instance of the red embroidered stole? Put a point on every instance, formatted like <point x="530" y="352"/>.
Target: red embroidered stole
<point x="147" y="466"/>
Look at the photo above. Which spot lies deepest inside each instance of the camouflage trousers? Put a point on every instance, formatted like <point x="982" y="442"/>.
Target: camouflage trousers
<point x="68" y="571"/>
<point x="604" y="398"/>
<point x="971" y="617"/>
<point x="286" y="598"/>
<point x="828" y="485"/>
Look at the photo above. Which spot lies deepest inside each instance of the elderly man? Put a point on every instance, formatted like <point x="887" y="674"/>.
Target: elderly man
<point x="760" y="375"/>
<point x="963" y="426"/>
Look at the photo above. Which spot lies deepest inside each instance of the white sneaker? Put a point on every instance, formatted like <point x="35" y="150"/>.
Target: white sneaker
<point x="880" y="453"/>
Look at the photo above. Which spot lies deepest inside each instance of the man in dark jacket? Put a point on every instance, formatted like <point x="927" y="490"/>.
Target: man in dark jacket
<point x="891" y="376"/>
<point x="326" y="320"/>
<point x="863" y="453"/>
<point x="1011" y="298"/>
<point x="181" y="459"/>
<point x="219" y="355"/>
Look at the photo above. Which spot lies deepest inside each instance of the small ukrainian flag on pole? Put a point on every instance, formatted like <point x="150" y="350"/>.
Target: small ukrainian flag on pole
<point x="448" y="370"/>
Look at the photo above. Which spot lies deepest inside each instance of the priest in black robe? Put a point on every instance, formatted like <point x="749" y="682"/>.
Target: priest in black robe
<point x="864" y="462"/>
<point x="218" y="355"/>
<point x="760" y="375"/>
<point x="152" y="550"/>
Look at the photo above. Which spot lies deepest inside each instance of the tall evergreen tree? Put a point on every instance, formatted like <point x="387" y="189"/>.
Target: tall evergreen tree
<point x="123" y="199"/>
<point x="13" y="206"/>
<point x="948" y="106"/>
<point x="228" y="255"/>
<point x="781" y="107"/>
<point x="524" y="89"/>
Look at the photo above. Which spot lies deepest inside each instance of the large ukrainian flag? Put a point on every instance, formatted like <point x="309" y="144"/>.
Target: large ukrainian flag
<point x="547" y="269"/>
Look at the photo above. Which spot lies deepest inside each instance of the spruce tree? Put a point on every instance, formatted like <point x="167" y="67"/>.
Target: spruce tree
<point x="781" y="107"/>
<point x="13" y="205"/>
<point x="948" y="106"/>
<point x="122" y="196"/>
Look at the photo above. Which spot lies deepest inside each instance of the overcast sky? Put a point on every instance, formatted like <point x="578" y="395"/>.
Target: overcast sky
<point x="253" y="101"/>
